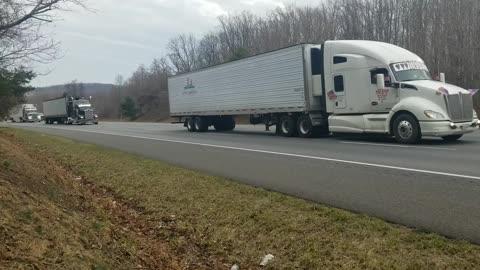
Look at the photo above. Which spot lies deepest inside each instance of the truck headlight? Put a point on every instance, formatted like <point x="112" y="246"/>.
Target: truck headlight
<point x="29" y="117"/>
<point x="81" y="117"/>
<point x="434" y="115"/>
<point x="95" y="116"/>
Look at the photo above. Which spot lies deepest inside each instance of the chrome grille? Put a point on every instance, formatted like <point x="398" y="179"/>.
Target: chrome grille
<point x="88" y="115"/>
<point x="460" y="107"/>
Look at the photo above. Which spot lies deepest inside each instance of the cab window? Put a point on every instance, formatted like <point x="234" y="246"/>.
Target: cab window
<point x="384" y="71"/>
<point x="338" y="82"/>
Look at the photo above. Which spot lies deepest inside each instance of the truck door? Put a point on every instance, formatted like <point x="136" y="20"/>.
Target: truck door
<point x="382" y="100"/>
<point x="338" y="94"/>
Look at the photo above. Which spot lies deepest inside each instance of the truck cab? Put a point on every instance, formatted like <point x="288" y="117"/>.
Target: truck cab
<point x="81" y="111"/>
<point x="375" y="87"/>
<point x="24" y="113"/>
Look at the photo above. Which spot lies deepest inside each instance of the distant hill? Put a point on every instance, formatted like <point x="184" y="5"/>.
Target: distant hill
<point x="89" y="89"/>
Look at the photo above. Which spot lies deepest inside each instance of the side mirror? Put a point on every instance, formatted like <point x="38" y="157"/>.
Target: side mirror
<point x="380" y="81"/>
<point x="442" y="77"/>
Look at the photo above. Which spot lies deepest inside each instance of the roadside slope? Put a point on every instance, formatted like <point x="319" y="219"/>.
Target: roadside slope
<point x="49" y="219"/>
<point x="211" y="223"/>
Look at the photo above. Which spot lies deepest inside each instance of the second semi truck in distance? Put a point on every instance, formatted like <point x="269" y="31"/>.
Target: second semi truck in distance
<point x="336" y="87"/>
<point x="69" y="110"/>
<point x="24" y="113"/>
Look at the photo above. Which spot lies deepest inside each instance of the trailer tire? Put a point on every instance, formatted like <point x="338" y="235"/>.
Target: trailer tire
<point x="305" y="128"/>
<point x="229" y="123"/>
<point x="190" y="124"/>
<point x="288" y="126"/>
<point x="452" y="138"/>
<point x="407" y="129"/>
<point x="219" y="125"/>
<point x="201" y="124"/>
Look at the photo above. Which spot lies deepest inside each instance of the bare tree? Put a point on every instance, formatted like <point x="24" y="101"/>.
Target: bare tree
<point x="21" y="35"/>
<point x="183" y="53"/>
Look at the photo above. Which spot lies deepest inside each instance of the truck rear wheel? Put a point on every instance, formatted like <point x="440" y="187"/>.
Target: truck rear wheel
<point x="288" y="126"/>
<point x="407" y="129"/>
<point x="229" y="123"/>
<point x="201" y="124"/>
<point x="452" y="138"/>
<point x="305" y="128"/>
<point x="190" y="124"/>
<point x="226" y="123"/>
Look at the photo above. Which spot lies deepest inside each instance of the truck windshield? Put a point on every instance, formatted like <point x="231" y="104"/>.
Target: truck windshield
<point x="410" y="71"/>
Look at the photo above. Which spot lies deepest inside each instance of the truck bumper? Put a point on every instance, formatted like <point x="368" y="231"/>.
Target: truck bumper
<point x="446" y="128"/>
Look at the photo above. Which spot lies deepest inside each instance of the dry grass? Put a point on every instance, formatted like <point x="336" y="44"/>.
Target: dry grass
<point x="211" y="222"/>
<point x="50" y="219"/>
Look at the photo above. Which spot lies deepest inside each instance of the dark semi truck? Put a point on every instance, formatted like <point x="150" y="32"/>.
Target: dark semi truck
<point x="69" y="110"/>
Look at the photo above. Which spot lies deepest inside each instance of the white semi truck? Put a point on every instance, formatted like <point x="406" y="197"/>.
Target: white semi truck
<point x="24" y="113"/>
<point x="337" y="87"/>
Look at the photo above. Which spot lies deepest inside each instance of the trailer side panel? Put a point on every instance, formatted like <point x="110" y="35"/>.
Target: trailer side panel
<point x="55" y="108"/>
<point x="267" y="83"/>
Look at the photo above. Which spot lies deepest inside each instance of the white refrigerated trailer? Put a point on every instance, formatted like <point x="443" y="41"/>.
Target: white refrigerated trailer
<point x="339" y="87"/>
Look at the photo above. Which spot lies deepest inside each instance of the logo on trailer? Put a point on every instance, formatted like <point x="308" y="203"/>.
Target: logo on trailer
<point x="189" y="84"/>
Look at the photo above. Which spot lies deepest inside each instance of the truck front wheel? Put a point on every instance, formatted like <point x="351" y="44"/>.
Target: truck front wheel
<point x="407" y="129"/>
<point x="288" y="127"/>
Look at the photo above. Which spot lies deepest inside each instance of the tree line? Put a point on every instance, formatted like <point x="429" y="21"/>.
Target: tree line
<point x="445" y="33"/>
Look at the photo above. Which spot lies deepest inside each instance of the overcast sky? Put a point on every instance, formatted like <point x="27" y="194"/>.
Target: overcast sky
<point x="122" y="34"/>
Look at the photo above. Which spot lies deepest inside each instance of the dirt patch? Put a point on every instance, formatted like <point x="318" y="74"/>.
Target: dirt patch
<point x="52" y="219"/>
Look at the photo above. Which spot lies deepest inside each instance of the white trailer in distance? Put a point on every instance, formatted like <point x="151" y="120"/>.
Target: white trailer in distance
<point x="337" y="87"/>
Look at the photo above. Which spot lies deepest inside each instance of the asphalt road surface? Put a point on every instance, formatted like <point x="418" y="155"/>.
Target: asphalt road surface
<point x="434" y="186"/>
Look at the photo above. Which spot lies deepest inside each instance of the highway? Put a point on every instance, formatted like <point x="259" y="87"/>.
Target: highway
<point x="433" y="186"/>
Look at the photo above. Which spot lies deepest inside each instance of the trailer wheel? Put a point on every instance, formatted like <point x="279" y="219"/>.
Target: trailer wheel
<point x="452" y="138"/>
<point x="201" y="124"/>
<point x="191" y="125"/>
<point x="288" y="126"/>
<point x="219" y="125"/>
<point x="407" y="129"/>
<point x="229" y="123"/>
<point x="304" y="127"/>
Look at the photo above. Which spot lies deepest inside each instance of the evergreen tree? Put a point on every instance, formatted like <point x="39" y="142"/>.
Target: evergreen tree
<point x="14" y="84"/>
<point x="128" y="108"/>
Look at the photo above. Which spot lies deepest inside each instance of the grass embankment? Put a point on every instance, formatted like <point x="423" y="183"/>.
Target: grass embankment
<point x="140" y="212"/>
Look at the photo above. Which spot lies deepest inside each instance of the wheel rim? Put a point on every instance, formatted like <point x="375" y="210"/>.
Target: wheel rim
<point x="197" y="126"/>
<point x="286" y="126"/>
<point x="304" y="127"/>
<point x="405" y="130"/>
<point x="189" y="125"/>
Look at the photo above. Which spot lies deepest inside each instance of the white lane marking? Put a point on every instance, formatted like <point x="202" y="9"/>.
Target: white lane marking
<point x="401" y="146"/>
<point x="292" y="155"/>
